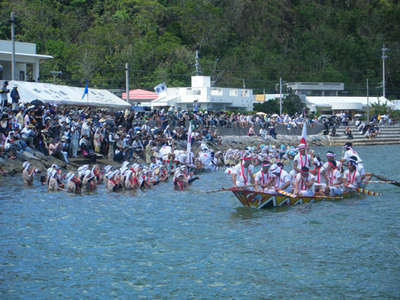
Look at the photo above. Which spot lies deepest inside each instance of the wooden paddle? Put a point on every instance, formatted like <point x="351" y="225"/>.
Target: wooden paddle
<point x="377" y="181"/>
<point x="394" y="182"/>
<point x="367" y="192"/>
<point x="290" y="195"/>
<point x="230" y="189"/>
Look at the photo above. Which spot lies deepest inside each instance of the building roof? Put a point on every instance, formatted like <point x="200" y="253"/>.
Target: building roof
<point x="40" y="56"/>
<point x="139" y="94"/>
<point x="62" y="94"/>
<point x="345" y="103"/>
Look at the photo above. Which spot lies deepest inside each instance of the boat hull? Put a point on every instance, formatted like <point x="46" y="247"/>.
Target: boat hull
<point x="263" y="200"/>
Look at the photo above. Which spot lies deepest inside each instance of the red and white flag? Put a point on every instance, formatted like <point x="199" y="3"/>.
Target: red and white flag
<point x="303" y="139"/>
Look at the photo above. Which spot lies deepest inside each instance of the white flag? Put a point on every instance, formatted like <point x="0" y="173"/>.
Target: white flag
<point x="162" y="87"/>
<point x="189" y="145"/>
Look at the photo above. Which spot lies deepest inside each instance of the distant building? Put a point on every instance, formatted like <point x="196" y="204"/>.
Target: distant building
<point x="261" y="98"/>
<point x="139" y="96"/>
<point x="316" y="88"/>
<point x="206" y="97"/>
<point x="333" y="104"/>
<point x="27" y="62"/>
<point x="396" y="104"/>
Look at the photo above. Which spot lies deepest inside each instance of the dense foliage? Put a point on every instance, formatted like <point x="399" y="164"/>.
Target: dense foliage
<point x="290" y="104"/>
<point x="251" y="42"/>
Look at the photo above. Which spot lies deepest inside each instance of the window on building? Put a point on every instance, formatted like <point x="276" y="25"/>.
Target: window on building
<point x="21" y="76"/>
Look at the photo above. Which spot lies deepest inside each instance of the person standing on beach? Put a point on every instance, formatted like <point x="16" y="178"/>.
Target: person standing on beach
<point x="4" y="91"/>
<point x="15" y="98"/>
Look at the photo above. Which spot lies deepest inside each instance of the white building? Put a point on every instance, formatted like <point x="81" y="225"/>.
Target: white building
<point x="316" y="88"/>
<point x="208" y="98"/>
<point x="348" y="103"/>
<point x="27" y="62"/>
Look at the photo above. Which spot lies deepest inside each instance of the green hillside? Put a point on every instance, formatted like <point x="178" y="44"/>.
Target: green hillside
<point x="251" y="42"/>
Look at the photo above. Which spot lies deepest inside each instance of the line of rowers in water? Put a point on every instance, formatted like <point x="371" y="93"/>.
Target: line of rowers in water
<point x="128" y="177"/>
<point x="165" y="162"/>
<point x="309" y="176"/>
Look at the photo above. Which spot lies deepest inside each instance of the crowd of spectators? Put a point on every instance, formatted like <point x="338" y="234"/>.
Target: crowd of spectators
<point x="66" y="131"/>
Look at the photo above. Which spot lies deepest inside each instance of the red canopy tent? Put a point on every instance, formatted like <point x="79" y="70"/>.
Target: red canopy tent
<point x="139" y="95"/>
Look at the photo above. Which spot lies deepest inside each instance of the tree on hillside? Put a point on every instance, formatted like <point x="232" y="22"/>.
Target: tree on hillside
<point x="291" y="104"/>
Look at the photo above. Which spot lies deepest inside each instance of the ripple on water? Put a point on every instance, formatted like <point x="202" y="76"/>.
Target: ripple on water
<point x="165" y="244"/>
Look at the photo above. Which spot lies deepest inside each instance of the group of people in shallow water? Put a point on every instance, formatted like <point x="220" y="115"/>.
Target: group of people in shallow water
<point x="127" y="177"/>
<point x="310" y="176"/>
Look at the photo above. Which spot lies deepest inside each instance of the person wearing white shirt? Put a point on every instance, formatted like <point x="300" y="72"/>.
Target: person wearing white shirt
<point x="319" y="175"/>
<point x="283" y="180"/>
<point x="264" y="179"/>
<point x="302" y="159"/>
<point x="334" y="180"/>
<point x="304" y="183"/>
<point x="351" y="177"/>
<point x="242" y="174"/>
<point x="349" y="151"/>
<point x="330" y="156"/>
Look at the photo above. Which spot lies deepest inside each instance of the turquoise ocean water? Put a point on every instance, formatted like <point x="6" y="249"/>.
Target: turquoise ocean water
<point x="164" y="244"/>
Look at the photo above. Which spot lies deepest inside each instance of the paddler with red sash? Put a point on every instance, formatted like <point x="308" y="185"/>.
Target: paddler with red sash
<point x="242" y="174"/>
<point x="264" y="180"/>
<point x="351" y="154"/>
<point x="114" y="183"/>
<point x="283" y="180"/>
<point x="131" y="180"/>
<point x="73" y="183"/>
<point x="351" y="177"/>
<point x="302" y="159"/>
<point x="330" y="156"/>
<point x="304" y="183"/>
<point x="334" y="180"/>
<point x="319" y="176"/>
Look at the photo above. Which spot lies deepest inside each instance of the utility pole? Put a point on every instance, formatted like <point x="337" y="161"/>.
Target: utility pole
<point x="383" y="69"/>
<point x="367" y="101"/>
<point x="13" y="47"/>
<point x="197" y="63"/>
<point x="127" y="82"/>
<point x="280" y="96"/>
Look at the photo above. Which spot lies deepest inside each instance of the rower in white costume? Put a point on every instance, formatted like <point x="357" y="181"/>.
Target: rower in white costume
<point x="334" y="180"/>
<point x="351" y="177"/>
<point x="302" y="159"/>
<point x="319" y="175"/>
<point x="330" y="156"/>
<point x="242" y="173"/>
<point x="264" y="180"/>
<point x="351" y="154"/>
<point x="304" y="183"/>
<point x="283" y="180"/>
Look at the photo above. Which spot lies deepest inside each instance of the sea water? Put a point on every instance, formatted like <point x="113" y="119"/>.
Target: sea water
<point x="164" y="244"/>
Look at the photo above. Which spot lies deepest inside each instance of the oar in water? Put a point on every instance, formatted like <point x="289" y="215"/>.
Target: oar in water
<point x="367" y="192"/>
<point x="378" y="181"/>
<point x="290" y="195"/>
<point x="230" y="189"/>
<point x="394" y="182"/>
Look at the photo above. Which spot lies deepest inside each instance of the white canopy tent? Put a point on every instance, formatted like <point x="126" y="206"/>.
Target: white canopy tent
<point x="67" y="95"/>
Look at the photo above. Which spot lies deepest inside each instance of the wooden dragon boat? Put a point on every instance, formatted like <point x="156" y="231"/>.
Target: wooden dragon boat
<point x="255" y="199"/>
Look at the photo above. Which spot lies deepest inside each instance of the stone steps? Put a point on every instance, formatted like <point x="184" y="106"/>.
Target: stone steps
<point x="387" y="135"/>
